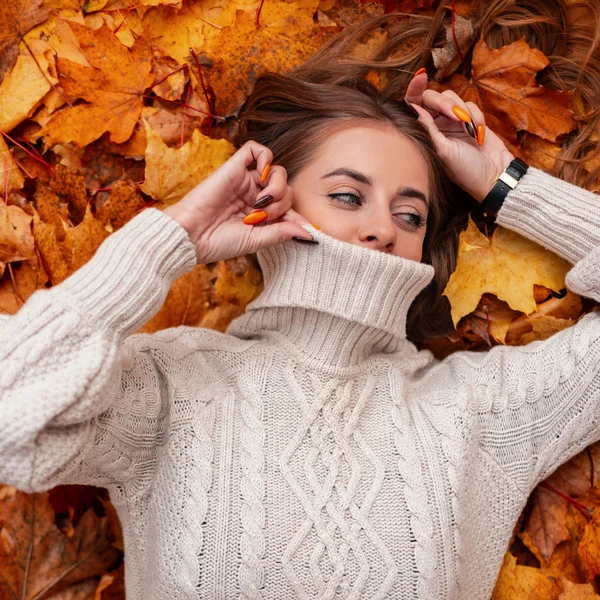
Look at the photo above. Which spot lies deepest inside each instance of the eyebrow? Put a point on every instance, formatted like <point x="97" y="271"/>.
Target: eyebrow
<point x="406" y="191"/>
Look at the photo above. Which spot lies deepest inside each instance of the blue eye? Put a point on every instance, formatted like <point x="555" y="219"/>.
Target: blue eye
<point x="356" y="199"/>
<point x="415" y="220"/>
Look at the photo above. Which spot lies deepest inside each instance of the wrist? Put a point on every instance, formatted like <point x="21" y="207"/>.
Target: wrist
<point x="500" y="166"/>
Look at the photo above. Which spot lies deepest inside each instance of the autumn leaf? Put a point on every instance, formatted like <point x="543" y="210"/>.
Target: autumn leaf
<point x="508" y="266"/>
<point x="16" y="241"/>
<point x="113" y="88"/>
<point x="284" y="37"/>
<point x="37" y="558"/>
<point x="173" y="172"/>
<point x="10" y="176"/>
<point x="17" y="17"/>
<point x="503" y="85"/>
<point x="26" y="84"/>
<point x="409" y="6"/>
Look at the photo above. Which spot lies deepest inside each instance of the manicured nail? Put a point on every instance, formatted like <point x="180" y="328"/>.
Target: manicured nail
<point x="262" y="201"/>
<point x="317" y="228"/>
<point x="480" y="134"/>
<point x="421" y="70"/>
<point x="256" y="217"/>
<point x="265" y="172"/>
<point x="409" y="108"/>
<point x="462" y="114"/>
<point x="471" y="130"/>
<point x="304" y="240"/>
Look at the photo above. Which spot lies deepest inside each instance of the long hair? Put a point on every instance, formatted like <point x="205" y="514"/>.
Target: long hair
<point x="292" y="114"/>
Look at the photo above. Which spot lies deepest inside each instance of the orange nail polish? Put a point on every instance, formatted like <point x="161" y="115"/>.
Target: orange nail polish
<point x="480" y="134"/>
<point x="265" y="172"/>
<point x="462" y="114"/>
<point x="258" y="216"/>
<point x="318" y="228"/>
<point x="421" y="70"/>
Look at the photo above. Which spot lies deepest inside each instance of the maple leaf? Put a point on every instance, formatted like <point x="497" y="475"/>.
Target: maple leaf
<point x="26" y="84"/>
<point x="171" y="173"/>
<point x="10" y="176"/>
<point x="17" y="17"/>
<point x="508" y="266"/>
<point x="36" y="558"/>
<point x="503" y="85"/>
<point x="284" y="37"/>
<point x="113" y="88"/>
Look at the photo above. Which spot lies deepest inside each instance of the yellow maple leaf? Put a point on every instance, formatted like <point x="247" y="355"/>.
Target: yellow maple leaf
<point x="173" y="172"/>
<point x="508" y="266"/>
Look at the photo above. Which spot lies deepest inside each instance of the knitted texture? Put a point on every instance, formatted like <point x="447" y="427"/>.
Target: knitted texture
<point x="310" y="451"/>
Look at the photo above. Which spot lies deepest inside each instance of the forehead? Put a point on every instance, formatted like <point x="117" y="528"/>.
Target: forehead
<point x="379" y="151"/>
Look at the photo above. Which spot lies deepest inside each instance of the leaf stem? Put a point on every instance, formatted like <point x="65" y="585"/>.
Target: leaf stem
<point x="585" y="511"/>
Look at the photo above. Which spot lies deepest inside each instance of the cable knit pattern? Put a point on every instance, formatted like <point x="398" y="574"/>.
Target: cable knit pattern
<point x="310" y="451"/>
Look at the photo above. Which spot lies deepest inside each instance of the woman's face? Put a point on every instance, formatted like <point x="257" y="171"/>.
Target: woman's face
<point x="367" y="185"/>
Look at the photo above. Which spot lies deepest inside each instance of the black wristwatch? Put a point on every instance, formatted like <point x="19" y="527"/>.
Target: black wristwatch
<point x="506" y="182"/>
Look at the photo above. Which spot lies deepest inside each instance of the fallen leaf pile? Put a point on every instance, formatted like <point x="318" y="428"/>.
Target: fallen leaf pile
<point x="108" y="107"/>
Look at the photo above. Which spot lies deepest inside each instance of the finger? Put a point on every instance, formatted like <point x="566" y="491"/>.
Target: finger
<point x="479" y="120"/>
<point x="253" y="152"/>
<point x="446" y="103"/>
<point x="416" y="87"/>
<point x="275" y="188"/>
<point x="437" y="136"/>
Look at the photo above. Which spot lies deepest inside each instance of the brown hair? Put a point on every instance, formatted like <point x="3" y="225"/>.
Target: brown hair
<point x="292" y="113"/>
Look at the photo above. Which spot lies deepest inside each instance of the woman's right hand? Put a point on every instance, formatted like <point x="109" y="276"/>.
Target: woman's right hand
<point x="213" y="212"/>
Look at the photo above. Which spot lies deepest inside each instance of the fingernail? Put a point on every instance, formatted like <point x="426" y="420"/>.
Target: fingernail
<point x="421" y="70"/>
<point x="265" y="172"/>
<point x="480" y="134"/>
<point x="256" y="217"/>
<point x="262" y="201"/>
<point x="462" y="114"/>
<point x="409" y="108"/>
<point x="471" y="130"/>
<point x="304" y="240"/>
<point x="317" y="228"/>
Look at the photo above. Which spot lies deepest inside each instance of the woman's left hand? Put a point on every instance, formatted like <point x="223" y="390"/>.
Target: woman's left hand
<point x="473" y="167"/>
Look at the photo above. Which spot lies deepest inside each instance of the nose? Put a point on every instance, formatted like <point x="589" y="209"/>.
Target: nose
<point x="378" y="232"/>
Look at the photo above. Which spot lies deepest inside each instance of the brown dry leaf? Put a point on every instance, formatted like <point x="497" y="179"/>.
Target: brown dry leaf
<point x="17" y="17"/>
<point x="122" y="205"/>
<point x="120" y="77"/>
<point x="171" y="173"/>
<point x="50" y="207"/>
<point x="169" y="77"/>
<point x="285" y="37"/>
<point x="540" y="153"/>
<point x="508" y="266"/>
<point x="25" y="85"/>
<point x="29" y="276"/>
<point x="49" y="248"/>
<point x="546" y="525"/>
<point x="81" y="242"/>
<point x="10" y="176"/>
<point x="446" y="59"/>
<point x="577" y="591"/>
<point x="69" y="186"/>
<point x="589" y="548"/>
<point x="504" y="87"/>
<point x="516" y="582"/>
<point x="16" y="240"/>
<point x="37" y="559"/>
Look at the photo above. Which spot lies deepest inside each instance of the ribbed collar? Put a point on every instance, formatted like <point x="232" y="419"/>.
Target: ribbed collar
<point x="334" y="303"/>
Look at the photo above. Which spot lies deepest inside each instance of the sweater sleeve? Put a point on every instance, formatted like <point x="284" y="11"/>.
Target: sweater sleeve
<point x="79" y="396"/>
<point x="534" y="407"/>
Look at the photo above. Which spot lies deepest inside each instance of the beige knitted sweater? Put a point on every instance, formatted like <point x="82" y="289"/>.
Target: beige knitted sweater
<point x="311" y="451"/>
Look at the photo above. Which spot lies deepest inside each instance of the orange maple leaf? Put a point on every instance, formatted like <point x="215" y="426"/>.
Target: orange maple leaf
<point x="113" y="87"/>
<point x="503" y="85"/>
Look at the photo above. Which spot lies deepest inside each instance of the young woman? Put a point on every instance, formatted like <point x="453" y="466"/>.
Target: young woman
<point x="311" y="451"/>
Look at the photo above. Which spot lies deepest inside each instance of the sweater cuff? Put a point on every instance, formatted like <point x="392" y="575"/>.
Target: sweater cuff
<point x="127" y="280"/>
<point x="553" y="213"/>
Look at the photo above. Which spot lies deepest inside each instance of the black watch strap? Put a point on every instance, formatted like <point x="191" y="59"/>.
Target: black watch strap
<point x="506" y="182"/>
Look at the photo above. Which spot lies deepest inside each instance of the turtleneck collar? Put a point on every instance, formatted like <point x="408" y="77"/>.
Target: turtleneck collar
<point x="334" y="303"/>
